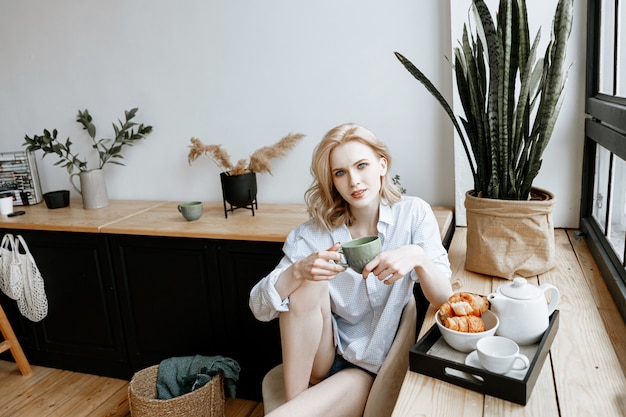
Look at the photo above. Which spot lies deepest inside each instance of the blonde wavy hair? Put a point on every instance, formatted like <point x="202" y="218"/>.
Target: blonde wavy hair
<point x="325" y="205"/>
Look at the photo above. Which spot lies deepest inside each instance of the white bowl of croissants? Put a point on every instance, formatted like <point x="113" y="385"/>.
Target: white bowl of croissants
<point x="465" y="319"/>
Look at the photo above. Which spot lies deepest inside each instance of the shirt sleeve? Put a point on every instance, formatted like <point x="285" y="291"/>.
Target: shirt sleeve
<point x="429" y="237"/>
<point x="265" y="302"/>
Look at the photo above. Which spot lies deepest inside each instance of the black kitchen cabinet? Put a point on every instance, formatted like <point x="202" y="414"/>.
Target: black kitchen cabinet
<point x="254" y="344"/>
<point x="182" y="297"/>
<point x="83" y="330"/>
<point x="170" y="297"/>
<point x="121" y="303"/>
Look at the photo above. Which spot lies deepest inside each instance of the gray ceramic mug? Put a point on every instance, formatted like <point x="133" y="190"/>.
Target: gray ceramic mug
<point x="359" y="252"/>
<point x="191" y="210"/>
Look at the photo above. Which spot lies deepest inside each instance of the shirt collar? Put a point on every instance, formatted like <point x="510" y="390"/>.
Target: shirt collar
<point x="385" y="219"/>
<point x="384" y="213"/>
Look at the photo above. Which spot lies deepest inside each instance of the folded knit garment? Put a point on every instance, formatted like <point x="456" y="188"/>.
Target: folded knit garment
<point x="181" y="375"/>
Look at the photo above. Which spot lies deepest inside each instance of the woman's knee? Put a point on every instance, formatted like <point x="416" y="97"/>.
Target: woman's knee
<point x="312" y="295"/>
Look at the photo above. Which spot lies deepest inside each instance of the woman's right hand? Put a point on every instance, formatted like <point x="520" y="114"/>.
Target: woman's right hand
<point x="319" y="266"/>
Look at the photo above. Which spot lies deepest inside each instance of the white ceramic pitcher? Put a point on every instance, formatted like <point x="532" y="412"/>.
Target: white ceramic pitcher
<point x="93" y="189"/>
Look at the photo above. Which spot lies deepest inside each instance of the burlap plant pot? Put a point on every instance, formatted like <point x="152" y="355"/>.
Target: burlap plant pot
<point x="509" y="238"/>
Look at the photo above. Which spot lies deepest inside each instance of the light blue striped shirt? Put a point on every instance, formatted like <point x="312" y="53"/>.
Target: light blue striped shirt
<point x="366" y="313"/>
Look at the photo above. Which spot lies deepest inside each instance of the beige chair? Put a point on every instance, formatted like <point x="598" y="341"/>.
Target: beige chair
<point x="386" y="388"/>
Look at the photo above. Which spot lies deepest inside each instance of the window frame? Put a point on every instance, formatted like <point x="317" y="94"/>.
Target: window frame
<point x="605" y="126"/>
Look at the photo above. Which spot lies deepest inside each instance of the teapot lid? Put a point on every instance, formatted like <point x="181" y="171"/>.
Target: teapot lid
<point x="519" y="289"/>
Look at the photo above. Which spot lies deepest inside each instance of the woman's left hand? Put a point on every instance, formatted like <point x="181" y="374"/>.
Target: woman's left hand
<point x="392" y="265"/>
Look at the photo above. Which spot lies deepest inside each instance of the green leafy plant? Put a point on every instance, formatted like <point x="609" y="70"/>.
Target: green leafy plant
<point x="396" y="181"/>
<point x="109" y="150"/>
<point x="510" y="99"/>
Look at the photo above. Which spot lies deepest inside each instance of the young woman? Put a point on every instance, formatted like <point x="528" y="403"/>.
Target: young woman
<point x="337" y="325"/>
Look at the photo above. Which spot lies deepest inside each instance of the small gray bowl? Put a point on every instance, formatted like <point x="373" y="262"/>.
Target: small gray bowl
<point x="57" y="199"/>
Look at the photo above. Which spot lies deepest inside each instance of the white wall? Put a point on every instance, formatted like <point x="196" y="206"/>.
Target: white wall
<point x="244" y="73"/>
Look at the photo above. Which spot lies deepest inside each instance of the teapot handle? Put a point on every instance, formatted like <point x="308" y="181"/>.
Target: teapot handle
<point x="554" y="299"/>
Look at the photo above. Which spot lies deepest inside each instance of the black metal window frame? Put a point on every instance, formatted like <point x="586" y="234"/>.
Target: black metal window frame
<point x="605" y="127"/>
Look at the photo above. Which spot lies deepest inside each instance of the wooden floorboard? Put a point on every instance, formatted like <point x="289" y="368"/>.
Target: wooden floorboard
<point x="611" y="317"/>
<point x="243" y="408"/>
<point x="51" y="392"/>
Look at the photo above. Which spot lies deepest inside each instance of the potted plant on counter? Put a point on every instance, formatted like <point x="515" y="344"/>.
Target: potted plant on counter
<point x="92" y="185"/>
<point x="238" y="181"/>
<point x="511" y="101"/>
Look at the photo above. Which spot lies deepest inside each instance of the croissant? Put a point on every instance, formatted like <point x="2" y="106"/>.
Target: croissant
<point x="466" y="324"/>
<point x="464" y="304"/>
<point x="446" y="311"/>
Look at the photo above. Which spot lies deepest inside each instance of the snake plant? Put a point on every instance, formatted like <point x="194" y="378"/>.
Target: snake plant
<point x="511" y="99"/>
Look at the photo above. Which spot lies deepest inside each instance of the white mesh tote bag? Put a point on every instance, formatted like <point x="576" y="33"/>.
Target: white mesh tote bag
<point x="11" y="279"/>
<point x="33" y="304"/>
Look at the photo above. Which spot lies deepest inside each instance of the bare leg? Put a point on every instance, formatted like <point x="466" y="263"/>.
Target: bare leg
<point x="306" y="337"/>
<point x="342" y="395"/>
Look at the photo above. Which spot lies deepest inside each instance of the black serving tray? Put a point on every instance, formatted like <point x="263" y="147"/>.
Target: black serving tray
<point x="453" y="370"/>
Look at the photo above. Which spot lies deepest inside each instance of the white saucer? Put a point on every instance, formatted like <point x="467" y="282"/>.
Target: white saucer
<point x="472" y="360"/>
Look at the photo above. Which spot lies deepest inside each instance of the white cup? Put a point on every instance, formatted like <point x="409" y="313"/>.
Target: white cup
<point x="6" y="205"/>
<point x="500" y="355"/>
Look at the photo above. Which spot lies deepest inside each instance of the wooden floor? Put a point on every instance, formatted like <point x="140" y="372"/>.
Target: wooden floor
<point x="53" y="392"/>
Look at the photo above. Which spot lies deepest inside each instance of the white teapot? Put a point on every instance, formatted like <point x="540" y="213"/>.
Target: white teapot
<point x="523" y="310"/>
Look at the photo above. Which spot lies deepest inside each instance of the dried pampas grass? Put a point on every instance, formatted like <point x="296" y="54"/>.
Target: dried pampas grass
<point x="215" y="152"/>
<point x="259" y="160"/>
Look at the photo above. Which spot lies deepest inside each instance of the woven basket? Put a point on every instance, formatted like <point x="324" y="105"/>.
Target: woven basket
<point x="206" y="401"/>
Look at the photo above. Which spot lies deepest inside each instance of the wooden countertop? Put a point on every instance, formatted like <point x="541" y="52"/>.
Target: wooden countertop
<point x="74" y="218"/>
<point x="271" y="222"/>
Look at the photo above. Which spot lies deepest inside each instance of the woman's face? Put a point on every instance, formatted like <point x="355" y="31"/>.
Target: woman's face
<point x="356" y="171"/>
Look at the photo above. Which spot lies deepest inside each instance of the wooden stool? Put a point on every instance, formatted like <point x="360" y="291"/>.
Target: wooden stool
<point x="10" y="342"/>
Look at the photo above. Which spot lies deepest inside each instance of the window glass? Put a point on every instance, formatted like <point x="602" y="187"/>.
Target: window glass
<point x="601" y="187"/>
<point x="617" y="226"/>
<point x="603" y="209"/>
<point x="607" y="47"/>
<point x="621" y="50"/>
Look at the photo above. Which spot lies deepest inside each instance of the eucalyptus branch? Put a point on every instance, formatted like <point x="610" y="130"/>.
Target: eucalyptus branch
<point x="126" y="134"/>
<point x="49" y="143"/>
